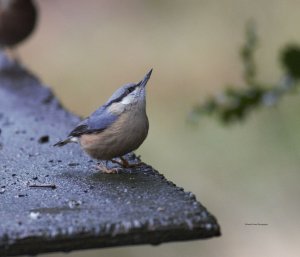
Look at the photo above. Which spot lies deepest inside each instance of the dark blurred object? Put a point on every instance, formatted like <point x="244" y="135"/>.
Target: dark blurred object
<point x="234" y="104"/>
<point x="290" y="58"/>
<point x="17" y="21"/>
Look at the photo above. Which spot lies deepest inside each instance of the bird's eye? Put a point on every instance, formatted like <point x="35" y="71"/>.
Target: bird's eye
<point x="130" y="89"/>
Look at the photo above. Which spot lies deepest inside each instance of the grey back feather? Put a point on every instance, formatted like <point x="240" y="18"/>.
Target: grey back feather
<point x="101" y="118"/>
<point x="97" y="122"/>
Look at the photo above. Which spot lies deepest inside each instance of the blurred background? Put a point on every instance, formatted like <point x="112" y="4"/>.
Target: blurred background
<point x="244" y="173"/>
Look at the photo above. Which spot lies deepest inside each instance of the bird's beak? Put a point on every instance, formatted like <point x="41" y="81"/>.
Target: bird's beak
<point x="144" y="81"/>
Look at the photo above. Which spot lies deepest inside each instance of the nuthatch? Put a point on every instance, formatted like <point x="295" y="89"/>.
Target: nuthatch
<point x="117" y="127"/>
<point x="17" y="21"/>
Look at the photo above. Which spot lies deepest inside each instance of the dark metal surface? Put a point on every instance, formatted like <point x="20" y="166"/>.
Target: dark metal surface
<point x="54" y="199"/>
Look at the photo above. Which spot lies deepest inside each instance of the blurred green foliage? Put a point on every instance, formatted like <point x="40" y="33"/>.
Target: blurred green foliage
<point x="234" y="103"/>
<point x="290" y="59"/>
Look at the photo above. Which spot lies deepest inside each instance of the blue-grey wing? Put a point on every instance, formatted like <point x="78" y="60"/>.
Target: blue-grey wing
<point x="97" y="122"/>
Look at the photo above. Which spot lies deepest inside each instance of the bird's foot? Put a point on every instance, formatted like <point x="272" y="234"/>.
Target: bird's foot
<point x="103" y="169"/>
<point x="125" y="164"/>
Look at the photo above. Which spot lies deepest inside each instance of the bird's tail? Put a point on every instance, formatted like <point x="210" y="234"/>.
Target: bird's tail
<point x="64" y="142"/>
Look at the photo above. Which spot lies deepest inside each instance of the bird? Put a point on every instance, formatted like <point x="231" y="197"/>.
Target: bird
<point x="17" y="21"/>
<point x="116" y="128"/>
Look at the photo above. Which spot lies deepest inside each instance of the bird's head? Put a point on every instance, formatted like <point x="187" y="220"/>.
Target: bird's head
<point x="129" y="95"/>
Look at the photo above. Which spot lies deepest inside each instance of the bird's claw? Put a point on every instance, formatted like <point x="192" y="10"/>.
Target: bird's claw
<point x="125" y="164"/>
<point x="103" y="169"/>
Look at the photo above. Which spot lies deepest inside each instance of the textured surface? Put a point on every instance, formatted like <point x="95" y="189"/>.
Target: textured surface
<point x="83" y="208"/>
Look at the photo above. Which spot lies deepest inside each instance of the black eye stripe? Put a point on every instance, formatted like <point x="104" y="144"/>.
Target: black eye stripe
<point x="130" y="89"/>
<point x="127" y="91"/>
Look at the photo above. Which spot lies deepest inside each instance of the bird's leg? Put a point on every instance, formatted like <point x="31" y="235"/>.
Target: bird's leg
<point x="117" y="162"/>
<point x="125" y="164"/>
<point x="130" y="165"/>
<point x="103" y="168"/>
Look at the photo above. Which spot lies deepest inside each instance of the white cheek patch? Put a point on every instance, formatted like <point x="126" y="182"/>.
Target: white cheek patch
<point x="116" y="108"/>
<point x="127" y="99"/>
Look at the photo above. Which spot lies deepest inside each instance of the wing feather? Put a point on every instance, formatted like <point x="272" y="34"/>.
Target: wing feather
<point x="96" y="123"/>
